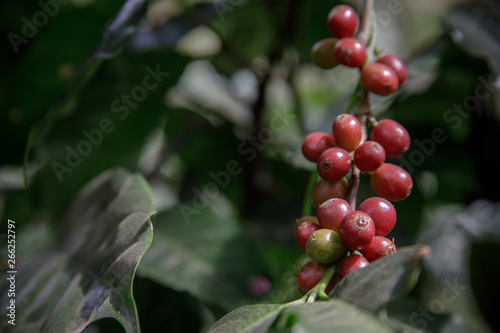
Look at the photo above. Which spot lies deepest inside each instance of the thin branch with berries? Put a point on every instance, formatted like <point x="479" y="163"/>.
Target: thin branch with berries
<point x="343" y="237"/>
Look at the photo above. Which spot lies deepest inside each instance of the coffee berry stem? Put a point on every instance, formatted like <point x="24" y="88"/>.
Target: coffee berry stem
<point x="365" y="29"/>
<point x="318" y="291"/>
<point x="363" y="113"/>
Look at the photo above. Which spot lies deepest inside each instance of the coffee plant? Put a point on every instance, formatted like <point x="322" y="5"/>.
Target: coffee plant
<point x="249" y="166"/>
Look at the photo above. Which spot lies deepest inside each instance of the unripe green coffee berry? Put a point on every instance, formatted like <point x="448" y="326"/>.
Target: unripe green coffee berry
<point x="325" y="246"/>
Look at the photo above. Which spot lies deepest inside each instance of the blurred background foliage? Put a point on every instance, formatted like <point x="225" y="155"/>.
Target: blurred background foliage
<point x="218" y="139"/>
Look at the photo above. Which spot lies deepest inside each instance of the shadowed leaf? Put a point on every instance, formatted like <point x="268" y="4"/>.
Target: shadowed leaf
<point x="88" y="273"/>
<point x="251" y="318"/>
<point x="334" y="316"/>
<point x="371" y="287"/>
<point x="209" y="257"/>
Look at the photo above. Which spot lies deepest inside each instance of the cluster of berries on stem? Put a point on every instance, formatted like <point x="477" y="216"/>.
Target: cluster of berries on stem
<point x="343" y="237"/>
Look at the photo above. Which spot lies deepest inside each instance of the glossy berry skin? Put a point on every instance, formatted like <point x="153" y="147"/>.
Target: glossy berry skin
<point x="380" y="79"/>
<point x="351" y="263"/>
<point x="315" y="144"/>
<point x="369" y="156"/>
<point x="379" y="247"/>
<point x="347" y="132"/>
<point x="343" y="21"/>
<point x="325" y="246"/>
<point x="334" y="164"/>
<point x="357" y="230"/>
<point x="392" y="136"/>
<point x="310" y="274"/>
<point x="331" y="213"/>
<point x="304" y="231"/>
<point x="382" y="213"/>
<point x="308" y="218"/>
<point x="325" y="190"/>
<point x="396" y="64"/>
<point x="322" y="53"/>
<point x="391" y="182"/>
<point x="350" y="52"/>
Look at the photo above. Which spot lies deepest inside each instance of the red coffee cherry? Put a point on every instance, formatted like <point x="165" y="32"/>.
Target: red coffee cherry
<point x="331" y="213"/>
<point x="396" y="64"/>
<point x="357" y="230"/>
<point x="334" y="164"/>
<point x="382" y="213"/>
<point x="315" y="144"/>
<point x="325" y="246"/>
<point x="391" y="182"/>
<point x="351" y="263"/>
<point x="379" y="247"/>
<point x="304" y="231"/>
<point x="343" y="21"/>
<point x="392" y="136"/>
<point x="325" y="190"/>
<point x="322" y="53"/>
<point x="380" y="79"/>
<point x="347" y="132"/>
<point x="369" y="156"/>
<point x="303" y="219"/>
<point x="350" y="52"/>
<point x="310" y="274"/>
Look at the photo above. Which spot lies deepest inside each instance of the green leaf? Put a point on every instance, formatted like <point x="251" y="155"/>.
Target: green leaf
<point x="333" y="316"/>
<point x="251" y="318"/>
<point x="87" y="275"/>
<point x="371" y="287"/>
<point x="205" y="255"/>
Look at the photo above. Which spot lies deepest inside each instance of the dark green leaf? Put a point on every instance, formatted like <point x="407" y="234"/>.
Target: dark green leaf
<point x="333" y="316"/>
<point x="451" y="232"/>
<point x="255" y="318"/>
<point x="373" y="286"/>
<point x="204" y="254"/>
<point x="88" y="273"/>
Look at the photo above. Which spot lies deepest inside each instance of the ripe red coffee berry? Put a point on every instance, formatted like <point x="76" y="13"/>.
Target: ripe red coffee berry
<point x="380" y="79"/>
<point x="310" y="274"/>
<point x="392" y="136"/>
<point x="322" y="53"/>
<point x="315" y="144"/>
<point x="331" y="212"/>
<point x="304" y="231"/>
<point x="350" y="52"/>
<point x="351" y="263"/>
<point x="308" y="218"/>
<point x="382" y="213"/>
<point x="369" y="156"/>
<point x="325" y="246"/>
<point x="325" y="190"/>
<point x="334" y="164"/>
<point x="391" y="182"/>
<point x="343" y="21"/>
<point x="347" y="132"/>
<point x="357" y="230"/>
<point x="379" y="247"/>
<point x="397" y="65"/>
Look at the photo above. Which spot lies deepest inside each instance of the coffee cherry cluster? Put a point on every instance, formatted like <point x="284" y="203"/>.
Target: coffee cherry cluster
<point x="382" y="76"/>
<point x="341" y="234"/>
<point x="335" y="155"/>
